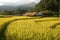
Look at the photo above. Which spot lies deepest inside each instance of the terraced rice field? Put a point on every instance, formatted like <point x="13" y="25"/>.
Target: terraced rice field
<point x="29" y="28"/>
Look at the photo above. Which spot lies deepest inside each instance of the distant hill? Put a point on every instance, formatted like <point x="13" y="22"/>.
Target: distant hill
<point x="13" y="7"/>
<point x="28" y="6"/>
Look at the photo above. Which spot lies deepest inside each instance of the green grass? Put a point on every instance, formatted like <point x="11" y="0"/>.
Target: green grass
<point x="5" y="16"/>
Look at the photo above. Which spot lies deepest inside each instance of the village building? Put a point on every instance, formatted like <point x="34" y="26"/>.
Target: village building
<point x="31" y="14"/>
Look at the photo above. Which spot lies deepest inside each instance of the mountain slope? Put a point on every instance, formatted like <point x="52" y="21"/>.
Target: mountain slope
<point x="28" y="6"/>
<point x="13" y="7"/>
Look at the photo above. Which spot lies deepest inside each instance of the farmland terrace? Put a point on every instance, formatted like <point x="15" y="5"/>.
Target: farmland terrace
<point x="29" y="28"/>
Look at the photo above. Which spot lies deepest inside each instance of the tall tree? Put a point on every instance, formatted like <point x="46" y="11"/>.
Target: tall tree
<point x="48" y="5"/>
<point x="53" y="5"/>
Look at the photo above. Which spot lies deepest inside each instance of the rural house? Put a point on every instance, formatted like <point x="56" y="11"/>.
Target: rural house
<point x="34" y="14"/>
<point x="30" y="14"/>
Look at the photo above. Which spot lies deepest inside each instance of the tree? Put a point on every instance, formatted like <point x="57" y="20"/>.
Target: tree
<point x="53" y="5"/>
<point x="48" y="5"/>
<point x="17" y="11"/>
<point x="5" y="12"/>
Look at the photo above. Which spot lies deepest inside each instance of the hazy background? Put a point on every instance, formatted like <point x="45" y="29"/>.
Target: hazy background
<point x="16" y="2"/>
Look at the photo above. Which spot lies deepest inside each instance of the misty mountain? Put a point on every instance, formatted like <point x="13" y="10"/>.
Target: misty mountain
<point x="28" y="6"/>
<point x="13" y="7"/>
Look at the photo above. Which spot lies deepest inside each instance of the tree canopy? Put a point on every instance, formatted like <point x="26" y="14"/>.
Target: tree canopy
<point x="53" y="5"/>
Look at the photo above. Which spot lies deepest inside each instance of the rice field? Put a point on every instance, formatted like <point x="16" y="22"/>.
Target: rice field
<point x="29" y="28"/>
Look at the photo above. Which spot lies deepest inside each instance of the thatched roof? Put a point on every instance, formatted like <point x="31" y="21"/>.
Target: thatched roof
<point x="30" y="13"/>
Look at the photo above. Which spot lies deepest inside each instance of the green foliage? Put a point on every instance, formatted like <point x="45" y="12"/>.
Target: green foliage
<point x="53" y="5"/>
<point x="13" y="12"/>
<point x="51" y="13"/>
<point x="5" y="12"/>
<point x="18" y="12"/>
<point x="48" y="5"/>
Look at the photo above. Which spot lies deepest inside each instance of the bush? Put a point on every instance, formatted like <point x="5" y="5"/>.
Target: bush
<point x="50" y="13"/>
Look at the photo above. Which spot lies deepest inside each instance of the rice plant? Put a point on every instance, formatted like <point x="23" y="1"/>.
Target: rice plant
<point x="30" y="28"/>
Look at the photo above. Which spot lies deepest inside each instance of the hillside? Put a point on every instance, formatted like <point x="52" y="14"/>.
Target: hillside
<point x="13" y="7"/>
